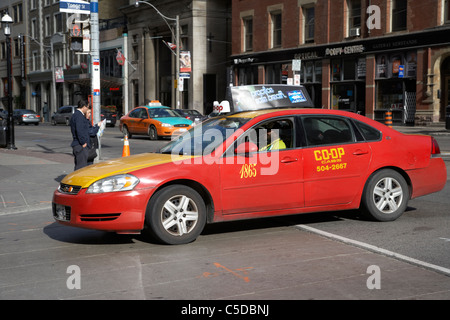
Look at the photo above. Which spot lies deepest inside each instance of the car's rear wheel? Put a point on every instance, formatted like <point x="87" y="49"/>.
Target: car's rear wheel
<point x="176" y="215"/>
<point x="385" y="195"/>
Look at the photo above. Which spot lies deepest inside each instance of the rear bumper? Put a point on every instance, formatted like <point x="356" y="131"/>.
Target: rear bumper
<point x="430" y="179"/>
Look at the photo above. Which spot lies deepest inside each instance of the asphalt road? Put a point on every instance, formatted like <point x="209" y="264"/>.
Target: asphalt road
<point x="36" y="253"/>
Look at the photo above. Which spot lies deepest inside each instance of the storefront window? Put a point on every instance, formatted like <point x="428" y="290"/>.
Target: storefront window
<point x="396" y="65"/>
<point x="309" y="72"/>
<point x="349" y="69"/>
<point x="390" y="94"/>
<point x="336" y="70"/>
<point x="348" y="87"/>
<point x="343" y="96"/>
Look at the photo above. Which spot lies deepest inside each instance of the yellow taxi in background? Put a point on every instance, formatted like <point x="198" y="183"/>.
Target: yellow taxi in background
<point x="155" y="121"/>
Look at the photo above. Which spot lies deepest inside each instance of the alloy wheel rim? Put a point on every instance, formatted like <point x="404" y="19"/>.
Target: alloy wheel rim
<point x="388" y="195"/>
<point x="179" y="215"/>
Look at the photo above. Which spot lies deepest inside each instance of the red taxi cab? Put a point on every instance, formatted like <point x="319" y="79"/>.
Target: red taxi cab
<point x="154" y="120"/>
<point x="254" y="164"/>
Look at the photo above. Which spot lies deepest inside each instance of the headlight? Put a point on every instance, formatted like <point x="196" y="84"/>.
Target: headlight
<point x="165" y="125"/>
<point x="122" y="182"/>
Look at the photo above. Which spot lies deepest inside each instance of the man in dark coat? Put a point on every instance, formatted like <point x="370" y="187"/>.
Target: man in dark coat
<point x="80" y="132"/>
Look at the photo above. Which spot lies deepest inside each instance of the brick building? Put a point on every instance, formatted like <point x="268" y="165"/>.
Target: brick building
<point x="366" y="56"/>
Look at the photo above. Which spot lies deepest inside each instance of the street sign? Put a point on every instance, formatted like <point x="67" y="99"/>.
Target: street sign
<point x="296" y="65"/>
<point x="75" y="6"/>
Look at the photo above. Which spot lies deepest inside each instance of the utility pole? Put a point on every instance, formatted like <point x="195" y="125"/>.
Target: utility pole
<point x="95" y="61"/>
<point x="177" y="64"/>
<point x="95" y="68"/>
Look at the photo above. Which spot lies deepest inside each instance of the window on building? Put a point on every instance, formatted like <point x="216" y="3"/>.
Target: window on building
<point x="399" y="15"/>
<point x="16" y="47"/>
<point x="248" y="34"/>
<point x="33" y="4"/>
<point x="135" y="53"/>
<point x="184" y="37"/>
<point x="17" y="13"/>
<point x="33" y="28"/>
<point x="58" y="22"/>
<point x="446" y="11"/>
<point x="354" y="15"/>
<point x="34" y="61"/>
<point x="3" y="44"/>
<point x="276" y="30"/>
<point x="308" y="24"/>
<point x="47" y="26"/>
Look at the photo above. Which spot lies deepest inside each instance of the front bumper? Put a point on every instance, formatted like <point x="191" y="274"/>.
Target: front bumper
<point x="121" y="212"/>
<point x="171" y="131"/>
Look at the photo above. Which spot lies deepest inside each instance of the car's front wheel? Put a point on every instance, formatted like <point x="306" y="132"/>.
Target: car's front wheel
<point x="126" y="132"/>
<point x="385" y="195"/>
<point x="153" y="133"/>
<point x="176" y="215"/>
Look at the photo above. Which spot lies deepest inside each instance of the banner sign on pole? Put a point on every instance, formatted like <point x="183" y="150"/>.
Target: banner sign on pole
<point x="96" y="76"/>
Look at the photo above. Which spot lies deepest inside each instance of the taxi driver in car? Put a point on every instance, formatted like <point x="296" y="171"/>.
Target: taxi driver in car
<point x="273" y="138"/>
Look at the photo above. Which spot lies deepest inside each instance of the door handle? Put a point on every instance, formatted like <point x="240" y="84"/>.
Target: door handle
<point x="360" y="152"/>
<point x="288" y="160"/>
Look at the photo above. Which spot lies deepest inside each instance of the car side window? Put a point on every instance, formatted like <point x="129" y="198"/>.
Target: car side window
<point x="143" y="114"/>
<point x="135" y="113"/>
<point x="327" y="130"/>
<point x="271" y="135"/>
<point x="369" y="133"/>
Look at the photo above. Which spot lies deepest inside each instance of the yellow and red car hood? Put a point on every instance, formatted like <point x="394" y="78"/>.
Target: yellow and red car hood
<point x="88" y="175"/>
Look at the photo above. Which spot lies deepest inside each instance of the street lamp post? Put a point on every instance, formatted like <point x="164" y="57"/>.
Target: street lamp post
<point x="6" y="23"/>
<point x="177" y="43"/>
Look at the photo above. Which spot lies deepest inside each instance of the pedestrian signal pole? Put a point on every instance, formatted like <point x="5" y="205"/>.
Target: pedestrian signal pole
<point x="95" y="67"/>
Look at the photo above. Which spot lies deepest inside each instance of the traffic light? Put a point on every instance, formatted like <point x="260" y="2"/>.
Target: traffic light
<point x="76" y="37"/>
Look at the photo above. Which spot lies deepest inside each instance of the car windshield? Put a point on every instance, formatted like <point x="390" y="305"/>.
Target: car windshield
<point x="205" y="137"/>
<point x="194" y="112"/>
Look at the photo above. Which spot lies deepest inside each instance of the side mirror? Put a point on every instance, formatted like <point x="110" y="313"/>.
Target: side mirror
<point x="246" y="148"/>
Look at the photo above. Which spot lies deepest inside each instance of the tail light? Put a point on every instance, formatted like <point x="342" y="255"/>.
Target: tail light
<point x="435" y="146"/>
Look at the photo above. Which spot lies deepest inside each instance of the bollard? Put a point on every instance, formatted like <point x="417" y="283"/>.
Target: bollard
<point x="388" y="118"/>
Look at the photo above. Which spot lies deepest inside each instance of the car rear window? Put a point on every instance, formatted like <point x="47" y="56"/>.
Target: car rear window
<point x="369" y="133"/>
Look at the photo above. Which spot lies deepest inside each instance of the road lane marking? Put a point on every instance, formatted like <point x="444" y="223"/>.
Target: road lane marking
<point x="376" y="249"/>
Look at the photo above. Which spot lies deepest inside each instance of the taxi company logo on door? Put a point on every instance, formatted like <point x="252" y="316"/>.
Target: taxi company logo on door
<point x="326" y="156"/>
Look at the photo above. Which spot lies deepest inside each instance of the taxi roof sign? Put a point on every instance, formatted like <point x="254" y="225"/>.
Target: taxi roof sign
<point x="268" y="96"/>
<point x="223" y="107"/>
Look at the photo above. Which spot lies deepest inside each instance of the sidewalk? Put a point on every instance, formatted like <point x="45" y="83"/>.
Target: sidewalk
<point x="29" y="178"/>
